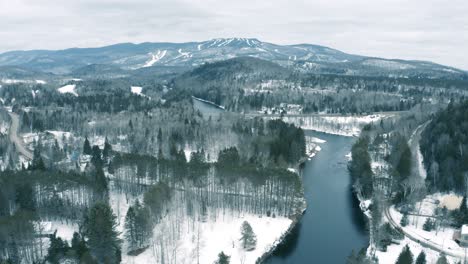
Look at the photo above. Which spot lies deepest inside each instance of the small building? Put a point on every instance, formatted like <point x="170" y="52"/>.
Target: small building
<point x="462" y="236"/>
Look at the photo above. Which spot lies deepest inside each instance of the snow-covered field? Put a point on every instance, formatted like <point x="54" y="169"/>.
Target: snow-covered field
<point x="206" y="240"/>
<point x="70" y="88"/>
<point x="136" y="89"/>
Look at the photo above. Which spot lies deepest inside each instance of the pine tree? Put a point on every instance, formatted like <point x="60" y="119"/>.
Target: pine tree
<point x="428" y="225"/>
<point x="87" y="147"/>
<point x="144" y="227"/>
<point x="130" y="228"/>
<point x="442" y="260"/>
<point x="223" y="258"/>
<point x="96" y="158"/>
<point x="25" y="197"/>
<point x="405" y="257"/>
<point x="404" y="220"/>
<point x="421" y="259"/>
<point x="57" y="249"/>
<point x="99" y="226"/>
<point x="37" y="163"/>
<point x="106" y="152"/>
<point x="248" y="238"/>
<point x="78" y="245"/>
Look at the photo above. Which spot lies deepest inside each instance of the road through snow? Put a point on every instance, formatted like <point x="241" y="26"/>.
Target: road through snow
<point x="17" y="140"/>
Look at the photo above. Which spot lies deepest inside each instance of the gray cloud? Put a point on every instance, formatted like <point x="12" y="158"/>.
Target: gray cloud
<point x="433" y="30"/>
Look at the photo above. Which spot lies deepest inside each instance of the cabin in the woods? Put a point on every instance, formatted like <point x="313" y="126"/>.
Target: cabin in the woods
<point x="462" y="236"/>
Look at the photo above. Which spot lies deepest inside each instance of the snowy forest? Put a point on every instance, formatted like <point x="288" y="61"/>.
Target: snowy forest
<point x="204" y="165"/>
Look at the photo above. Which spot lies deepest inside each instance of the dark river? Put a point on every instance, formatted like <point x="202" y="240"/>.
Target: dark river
<point x="333" y="224"/>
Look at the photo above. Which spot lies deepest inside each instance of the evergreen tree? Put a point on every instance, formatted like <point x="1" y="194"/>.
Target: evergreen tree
<point x="442" y="260"/>
<point x="99" y="226"/>
<point x="100" y="180"/>
<point x="25" y="197"/>
<point x="37" y="163"/>
<point x="248" y="238"/>
<point x="143" y="224"/>
<point x="421" y="259"/>
<point x="130" y="228"/>
<point x="106" y="152"/>
<point x="78" y="245"/>
<point x="404" y="220"/>
<point x="96" y="158"/>
<point x="223" y="258"/>
<point x="405" y="257"/>
<point x="57" y="249"/>
<point x="87" y="147"/>
<point x="428" y="225"/>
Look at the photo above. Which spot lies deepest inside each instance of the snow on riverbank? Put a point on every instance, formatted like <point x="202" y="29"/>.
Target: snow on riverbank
<point x="338" y="125"/>
<point x="208" y="239"/>
<point x="312" y="145"/>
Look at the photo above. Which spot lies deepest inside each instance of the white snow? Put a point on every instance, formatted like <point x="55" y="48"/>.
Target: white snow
<point x="155" y="58"/>
<point x="64" y="230"/>
<point x="218" y="235"/>
<point x="339" y="125"/>
<point x="393" y="251"/>
<point x="464" y="230"/>
<point x="41" y="82"/>
<point x="183" y="54"/>
<point x="136" y="89"/>
<point x="421" y="169"/>
<point x="317" y="140"/>
<point x="70" y="88"/>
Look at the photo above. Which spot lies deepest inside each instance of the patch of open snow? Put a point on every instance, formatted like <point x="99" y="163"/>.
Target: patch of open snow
<point x="394" y="250"/>
<point x="136" y="89"/>
<point x="183" y="54"/>
<point x="421" y="169"/>
<point x="64" y="230"/>
<point x="349" y="156"/>
<point x="70" y="88"/>
<point x="155" y="58"/>
<point x="41" y="82"/>
<point x="218" y="235"/>
<point x="317" y="140"/>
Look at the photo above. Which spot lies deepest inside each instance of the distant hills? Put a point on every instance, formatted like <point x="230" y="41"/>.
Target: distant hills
<point x="121" y="59"/>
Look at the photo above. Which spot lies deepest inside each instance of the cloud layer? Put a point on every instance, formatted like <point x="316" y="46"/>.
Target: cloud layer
<point x="434" y="30"/>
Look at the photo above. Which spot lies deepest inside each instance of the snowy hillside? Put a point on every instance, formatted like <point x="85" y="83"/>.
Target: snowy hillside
<point x="302" y="57"/>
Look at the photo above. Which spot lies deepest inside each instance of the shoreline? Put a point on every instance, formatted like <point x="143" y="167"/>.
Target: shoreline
<point x="209" y="102"/>
<point x="296" y="218"/>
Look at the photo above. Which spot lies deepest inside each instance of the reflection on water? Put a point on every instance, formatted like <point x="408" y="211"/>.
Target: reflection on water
<point x="206" y="109"/>
<point x="287" y="247"/>
<point x="333" y="224"/>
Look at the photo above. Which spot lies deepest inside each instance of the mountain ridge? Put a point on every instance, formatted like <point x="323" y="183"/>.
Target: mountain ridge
<point x="302" y="57"/>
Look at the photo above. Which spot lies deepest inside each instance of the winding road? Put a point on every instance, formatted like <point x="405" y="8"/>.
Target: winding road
<point x="414" y="145"/>
<point x="17" y="140"/>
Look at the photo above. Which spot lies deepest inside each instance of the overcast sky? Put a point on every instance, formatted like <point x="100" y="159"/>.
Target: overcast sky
<point x="435" y="30"/>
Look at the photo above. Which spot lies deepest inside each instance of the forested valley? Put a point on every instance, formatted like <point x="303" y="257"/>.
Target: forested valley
<point x="129" y="168"/>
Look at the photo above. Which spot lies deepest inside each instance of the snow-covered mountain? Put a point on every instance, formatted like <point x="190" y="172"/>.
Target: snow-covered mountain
<point x="302" y="57"/>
